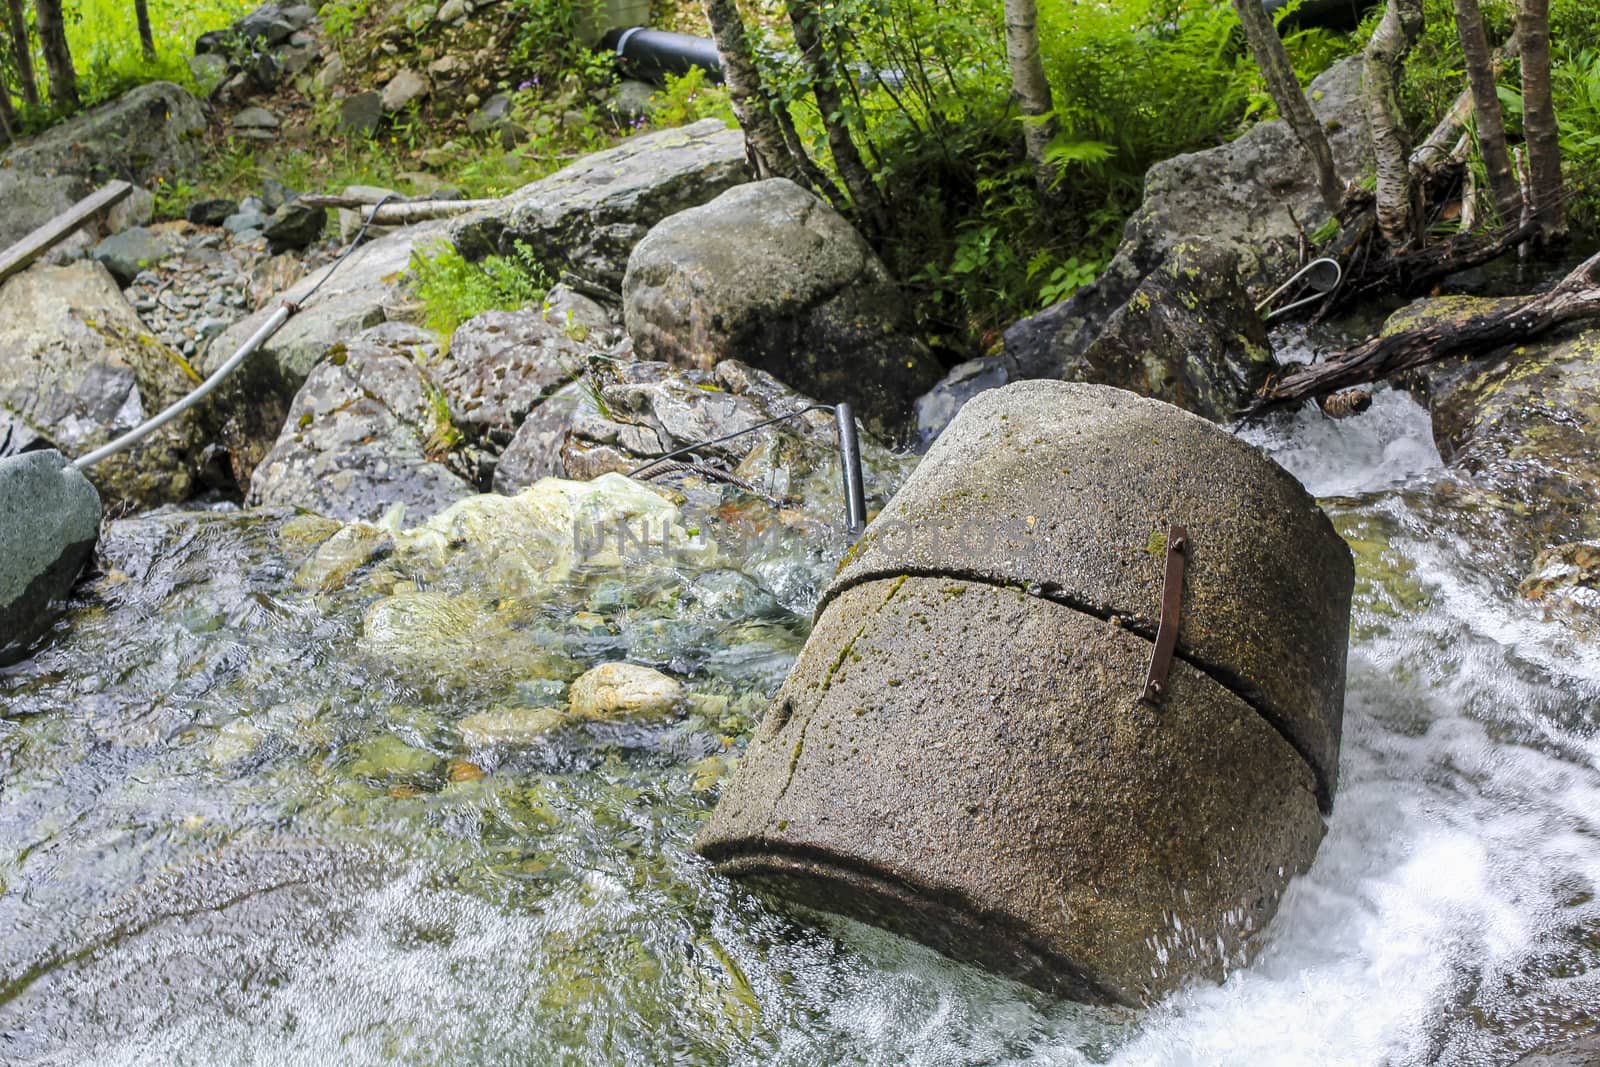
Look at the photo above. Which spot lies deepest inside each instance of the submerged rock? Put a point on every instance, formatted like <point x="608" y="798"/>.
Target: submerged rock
<point x="623" y="691"/>
<point x="769" y="274"/>
<point x="966" y="750"/>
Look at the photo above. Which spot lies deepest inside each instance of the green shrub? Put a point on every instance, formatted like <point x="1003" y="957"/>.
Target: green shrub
<point x="453" y="290"/>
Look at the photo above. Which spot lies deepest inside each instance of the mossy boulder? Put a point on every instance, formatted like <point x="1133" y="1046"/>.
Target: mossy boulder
<point x="1189" y="335"/>
<point x="78" y="368"/>
<point x="1518" y="427"/>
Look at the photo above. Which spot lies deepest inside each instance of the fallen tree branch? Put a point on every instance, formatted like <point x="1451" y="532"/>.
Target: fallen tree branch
<point x="396" y="213"/>
<point x="1575" y="298"/>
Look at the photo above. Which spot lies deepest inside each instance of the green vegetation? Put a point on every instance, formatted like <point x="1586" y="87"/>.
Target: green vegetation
<point x="105" y="41"/>
<point x="455" y="290"/>
<point x="927" y="98"/>
<point x="1134" y="81"/>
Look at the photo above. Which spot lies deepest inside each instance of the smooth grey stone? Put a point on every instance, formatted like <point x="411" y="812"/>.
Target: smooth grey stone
<point x="49" y="520"/>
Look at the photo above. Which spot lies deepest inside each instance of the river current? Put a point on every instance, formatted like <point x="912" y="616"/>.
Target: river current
<point x="242" y="822"/>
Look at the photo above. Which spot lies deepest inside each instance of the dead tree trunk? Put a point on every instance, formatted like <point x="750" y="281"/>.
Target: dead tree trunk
<point x="1575" y="298"/>
<point x="753" y="106"/>
<point x="1267" y="48"/>
<point x="1539" y="122"/>
<point x="1385" y="56"/>
<point x="147" y="39"/>
<point x="57" y="56"/>
<point x="22" y="51"/>
<point x="825" y="86"/>
<point x="1486" y="103"/>
<point x="1031" y="89"/>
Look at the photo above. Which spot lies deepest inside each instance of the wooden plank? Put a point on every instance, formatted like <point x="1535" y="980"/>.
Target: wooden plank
<point x="58" y="229"/>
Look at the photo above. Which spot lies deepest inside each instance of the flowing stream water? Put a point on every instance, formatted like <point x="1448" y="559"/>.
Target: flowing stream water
<point x="247" y="814"/>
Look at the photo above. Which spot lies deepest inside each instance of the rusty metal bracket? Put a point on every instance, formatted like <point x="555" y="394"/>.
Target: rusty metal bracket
<point x="1155" y="682"/>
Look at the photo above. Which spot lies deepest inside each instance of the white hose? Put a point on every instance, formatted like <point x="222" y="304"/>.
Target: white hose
<point x="150" y="426"/>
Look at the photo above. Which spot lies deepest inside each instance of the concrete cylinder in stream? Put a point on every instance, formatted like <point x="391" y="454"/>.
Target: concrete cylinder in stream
<point x="961" y="754"/>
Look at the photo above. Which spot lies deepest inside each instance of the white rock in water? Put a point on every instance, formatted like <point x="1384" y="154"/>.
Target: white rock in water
<point x="623" y="690"/>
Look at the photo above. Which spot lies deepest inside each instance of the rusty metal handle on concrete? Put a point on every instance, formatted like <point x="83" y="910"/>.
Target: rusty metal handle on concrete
<point x="1155" y="681"/>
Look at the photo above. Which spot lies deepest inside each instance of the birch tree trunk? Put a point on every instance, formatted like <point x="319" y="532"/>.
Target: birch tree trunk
<point x="1486" y="104"/>
<point x="752" y="104"/>
<point x="147" y="40"/>
<point x="1385" y="56"/>
<point x="22" y="51"/>
<point x="57" y="56"/>
<point x="1267" y="48"/>
<point x="1539" y="123"/>
<point x="1031" y="89"/>
<point x="825" y="86"/>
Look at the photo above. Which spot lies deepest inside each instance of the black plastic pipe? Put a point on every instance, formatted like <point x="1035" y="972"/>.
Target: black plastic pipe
<point x="650" y="55"/>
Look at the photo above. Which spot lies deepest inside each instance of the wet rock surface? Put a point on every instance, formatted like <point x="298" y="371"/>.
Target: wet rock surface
<point x="769" y="274"/>
<point x="1518" y="429"/>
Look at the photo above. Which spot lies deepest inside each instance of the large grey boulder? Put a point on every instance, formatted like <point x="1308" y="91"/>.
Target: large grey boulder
<point x="49" y="519"/>
<point x="503" y="364"/>
<point x="587" y="217"/>
<point x="365" y="433"/>
<point x="150" y="132"/>
<point x="769" y="274"/>
<point x="1226" y="205"/>
<point x="1240" y="195"/>
<point x="966" y="750"/>
<point x="79" y="367"/>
